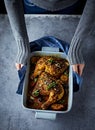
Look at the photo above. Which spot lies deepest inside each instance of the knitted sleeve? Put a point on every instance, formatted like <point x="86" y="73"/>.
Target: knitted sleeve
<point x="84" y="28"/>
<point x="16" y="17"/>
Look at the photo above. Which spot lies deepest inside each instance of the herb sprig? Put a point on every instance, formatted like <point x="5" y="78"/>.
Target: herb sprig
<point x="36" y="93"/>
<point x="51" y="85"/>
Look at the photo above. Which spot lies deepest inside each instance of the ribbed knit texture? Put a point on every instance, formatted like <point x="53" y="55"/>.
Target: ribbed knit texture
<point x="23" y="51"/>
<point x="17" y="21"/>
<point x="75" y="52"/>
<point x="84" y="29"/>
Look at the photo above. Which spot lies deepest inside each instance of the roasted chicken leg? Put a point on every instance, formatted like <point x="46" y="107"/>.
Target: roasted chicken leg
<point x="48" y="85"/>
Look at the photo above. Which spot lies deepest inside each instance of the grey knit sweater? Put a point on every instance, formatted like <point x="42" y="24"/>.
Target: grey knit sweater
<point x="83" y="30"/>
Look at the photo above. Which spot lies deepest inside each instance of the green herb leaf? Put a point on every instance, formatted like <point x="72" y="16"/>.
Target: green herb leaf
<point x="36" y="104"/>
<point x="50" y="61"/>
<point x="32" y="98"/>
<point x="65" y="73"/>
<point x="36" y="93"/>
<point x="61" y="101"/>
<point x="51" y="85"/>
<point x="35" y="79"/>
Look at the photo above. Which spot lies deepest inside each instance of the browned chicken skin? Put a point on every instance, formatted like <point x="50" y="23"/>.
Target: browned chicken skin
<point x="57" y="106"/>
<point x="53" y="65"/>
<point x="48" y="85"/>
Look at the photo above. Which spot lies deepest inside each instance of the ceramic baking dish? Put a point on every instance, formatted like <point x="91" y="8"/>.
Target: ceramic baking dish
<point x="48" y="114"/>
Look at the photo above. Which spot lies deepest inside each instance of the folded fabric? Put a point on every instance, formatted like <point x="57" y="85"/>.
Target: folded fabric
<point x="48" y="41"/>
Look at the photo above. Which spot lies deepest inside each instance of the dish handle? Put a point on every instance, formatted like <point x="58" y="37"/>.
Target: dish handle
<point x="45" y="115"/>
<point x="50" y="49"/>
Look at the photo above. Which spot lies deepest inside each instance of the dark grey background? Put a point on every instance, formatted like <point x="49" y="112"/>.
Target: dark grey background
<point x="12" y="114"/>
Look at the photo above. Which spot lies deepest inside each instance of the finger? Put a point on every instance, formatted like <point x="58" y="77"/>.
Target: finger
<point x="18" y="66"/>
<point x="81" y="69"/>
<point x="75" y="68"/>
<point x="22" y="65"/>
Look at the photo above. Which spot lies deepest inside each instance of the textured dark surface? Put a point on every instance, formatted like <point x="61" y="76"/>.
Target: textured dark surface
<point x="12" y="114"/>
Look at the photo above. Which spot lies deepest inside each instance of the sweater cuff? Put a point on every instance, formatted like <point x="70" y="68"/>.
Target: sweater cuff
<point x="23" y="51"/>
<point x="75" y="52"/>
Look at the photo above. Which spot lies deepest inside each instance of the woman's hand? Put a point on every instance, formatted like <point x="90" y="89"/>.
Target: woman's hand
<point x="18" y="66"/>
<point x="78" y="68"/>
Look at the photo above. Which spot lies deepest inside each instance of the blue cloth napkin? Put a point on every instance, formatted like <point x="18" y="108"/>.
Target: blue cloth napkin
<point x="48" y="41"/>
